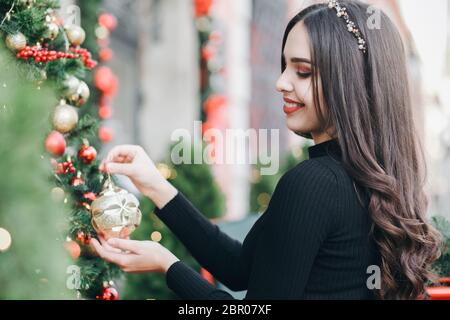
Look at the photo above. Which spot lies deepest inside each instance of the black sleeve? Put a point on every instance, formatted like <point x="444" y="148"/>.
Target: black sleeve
<point x="305" y="200"/>
<point x="189" y="285"/>
<point x="221" y="255"/>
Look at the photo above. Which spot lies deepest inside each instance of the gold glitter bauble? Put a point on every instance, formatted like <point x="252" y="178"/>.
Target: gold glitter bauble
<point x="82" y="94"/>
<point x="64" y="118"/>
<point x="75" y="34"/>
<point x="71" y="84"/>
<point x="52" y="31"/>
<point x="16" y="42"/>
<point x="76" y="91"/>
<point x="115" y="213"/>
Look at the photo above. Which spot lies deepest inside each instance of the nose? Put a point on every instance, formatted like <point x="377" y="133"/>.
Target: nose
<point x="283" y="85"/>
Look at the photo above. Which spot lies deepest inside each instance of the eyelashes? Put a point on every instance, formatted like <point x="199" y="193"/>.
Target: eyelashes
<point x="304" y="75"/>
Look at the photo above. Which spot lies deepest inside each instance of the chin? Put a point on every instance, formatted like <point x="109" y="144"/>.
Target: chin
<point x="294" y="126"/>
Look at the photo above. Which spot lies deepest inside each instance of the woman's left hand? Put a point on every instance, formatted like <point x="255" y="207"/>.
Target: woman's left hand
<point x="135" y="256"/>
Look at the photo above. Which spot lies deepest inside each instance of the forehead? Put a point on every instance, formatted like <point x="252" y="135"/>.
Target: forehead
<point x="297" y="42"/>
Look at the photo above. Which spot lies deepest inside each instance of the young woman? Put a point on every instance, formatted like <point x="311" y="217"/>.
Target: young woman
<point x="355" y="207"/>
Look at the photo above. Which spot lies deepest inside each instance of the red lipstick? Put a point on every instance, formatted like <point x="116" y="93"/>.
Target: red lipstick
<point x="292" y="106"/>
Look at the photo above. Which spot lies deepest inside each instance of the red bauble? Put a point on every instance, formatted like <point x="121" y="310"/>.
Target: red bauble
<point x="105" y="112"/>
<point x="105" y="54"/>
<point x="214" y="102"/>
<point x="105" y="134"/>
<point x="202" y="7"/>
<point x="108" y="21"/>
<point x="207" y="276"/>
<point x="90" y="195"/>
<point x="73" y="248"/>
<point x="106" y="81"/>
<point x="76" y="181"/>
<point x="55" y="143"/>
<point x="110" y="294"/>
<point x="207" y="53"/>
<point x="87" y="154"/>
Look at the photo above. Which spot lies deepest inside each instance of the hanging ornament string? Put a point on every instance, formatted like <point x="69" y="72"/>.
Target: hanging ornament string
<point x="8" y="14"/>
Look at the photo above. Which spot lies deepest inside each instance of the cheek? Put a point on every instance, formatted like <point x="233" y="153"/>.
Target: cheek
<point x="304" y="92"/>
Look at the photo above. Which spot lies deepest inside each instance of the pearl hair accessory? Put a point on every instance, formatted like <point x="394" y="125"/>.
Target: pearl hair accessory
<point x="351" y="26"/>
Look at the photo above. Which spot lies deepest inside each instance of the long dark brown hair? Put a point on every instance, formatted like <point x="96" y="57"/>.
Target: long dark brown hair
<point x="368" y="102"/>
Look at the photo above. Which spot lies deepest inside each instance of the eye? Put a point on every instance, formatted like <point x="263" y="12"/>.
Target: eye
<point x="304" y="75"/>
<point x="303" y="72"/>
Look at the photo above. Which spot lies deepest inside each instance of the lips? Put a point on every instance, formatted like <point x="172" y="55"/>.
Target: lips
<point x="292" y="106"/>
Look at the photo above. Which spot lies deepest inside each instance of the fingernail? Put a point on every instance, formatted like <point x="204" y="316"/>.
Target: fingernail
<point x="112" y="241"/>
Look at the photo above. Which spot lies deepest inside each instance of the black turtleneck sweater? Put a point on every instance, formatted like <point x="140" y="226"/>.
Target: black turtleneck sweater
<point x="312" y="242"/>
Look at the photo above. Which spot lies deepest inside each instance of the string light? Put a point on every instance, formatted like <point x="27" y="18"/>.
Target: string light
<point x="263" y="199"/>
<point x="156" y="236"/>
<point x="164" y="170"/>
<point x="5" y="240"/>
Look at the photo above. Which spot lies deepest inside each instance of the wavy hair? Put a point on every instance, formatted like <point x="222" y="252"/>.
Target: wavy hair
<point x="368" y="103"/>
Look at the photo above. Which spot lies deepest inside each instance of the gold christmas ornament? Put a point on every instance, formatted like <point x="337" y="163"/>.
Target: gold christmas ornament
<point x="115" y="213"/>
<point x="75" y="34"/>
<point x="16" y="42"/>
<point x="82" y="94"/>
<point x="76" y="91"/>
<point x="52" y="31"/>
<point x="71" y="84"/>
<point x="65" y="118"/>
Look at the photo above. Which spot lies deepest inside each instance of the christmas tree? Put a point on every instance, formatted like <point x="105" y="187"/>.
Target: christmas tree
<point x="33" y="263"/>
<point x="442" y="265"/>
<point x="49" y="51"/>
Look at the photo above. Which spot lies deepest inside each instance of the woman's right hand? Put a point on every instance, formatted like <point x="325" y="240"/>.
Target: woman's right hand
<point x="132" y="161"/>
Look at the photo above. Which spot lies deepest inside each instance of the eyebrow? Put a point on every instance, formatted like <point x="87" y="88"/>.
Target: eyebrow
<point x="298" y="60"/>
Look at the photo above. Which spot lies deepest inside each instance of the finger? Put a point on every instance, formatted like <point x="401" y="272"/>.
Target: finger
<point x="119" y="168"/>
<point x="122" y="150"/>
<point x="126" y="245"/>
<point x="107" y="246"/>
<point x="117" y="258"/>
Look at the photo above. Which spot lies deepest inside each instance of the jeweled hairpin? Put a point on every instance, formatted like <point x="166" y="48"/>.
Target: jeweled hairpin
<point x="351" y="26"/>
